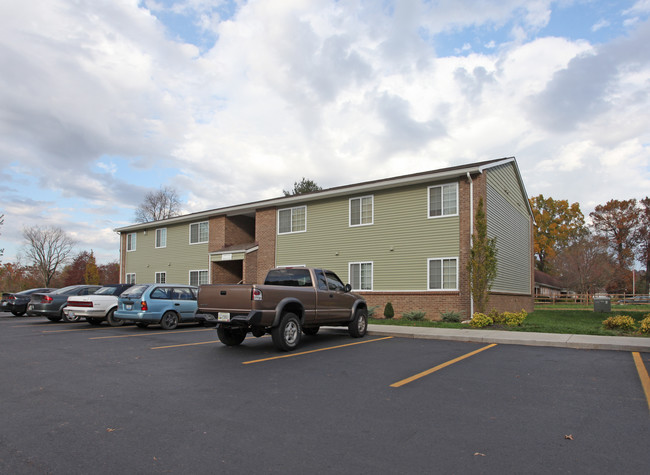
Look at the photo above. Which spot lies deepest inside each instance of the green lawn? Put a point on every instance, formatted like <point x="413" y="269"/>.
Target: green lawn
<point x="547" y="320"/>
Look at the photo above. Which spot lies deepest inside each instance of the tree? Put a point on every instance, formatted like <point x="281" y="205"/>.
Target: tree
<point x="616" y="221"/>
<point x="47" y="248"/>
<point x="557" y="225"/>
<point x="91" y="274"/>
<point x="109" y="273"/>
<point x="2" y="221"/>
<point x="642" y="238"/>
<point x="157" y="205"/>
<point x="74" y="272"/>
<point x="482" y="265"/>
<point x="302" y="187"/>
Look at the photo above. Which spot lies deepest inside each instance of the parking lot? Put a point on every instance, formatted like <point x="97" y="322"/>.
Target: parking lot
<point x="83" y="399"/>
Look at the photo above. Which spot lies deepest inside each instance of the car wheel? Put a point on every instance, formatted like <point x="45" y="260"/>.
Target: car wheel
<point x="169" y="320"/>
<point x="142" y="325"/>
<point x="286" y="336"/>
<point x="54" y="319"/>
<point x="70" y="319"/>
<point x="94" y="321"/>
<point x="310" y="330"/>
<point x="359" y="324"/>
<point x="230" y="336"/>
<point x="110" y="318"/>
<point x="17" y="314"/>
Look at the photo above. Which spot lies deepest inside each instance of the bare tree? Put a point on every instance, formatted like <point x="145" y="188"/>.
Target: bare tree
<point x="47" y="248"/>
<point x="157" y="205"/>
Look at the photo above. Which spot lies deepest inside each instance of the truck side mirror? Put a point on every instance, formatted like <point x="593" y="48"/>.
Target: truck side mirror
<point x="348" y="287"/>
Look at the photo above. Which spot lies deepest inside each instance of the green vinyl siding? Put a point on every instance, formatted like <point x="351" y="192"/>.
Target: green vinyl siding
<point x="176" y="260"/>
<point x="399" y="242"/>
<point x="509" y="221"/>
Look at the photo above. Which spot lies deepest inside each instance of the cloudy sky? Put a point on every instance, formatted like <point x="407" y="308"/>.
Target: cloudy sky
<point x="229" y="102"/>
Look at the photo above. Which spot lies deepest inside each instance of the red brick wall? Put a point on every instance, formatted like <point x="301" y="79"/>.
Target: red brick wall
<point x="239" y="230"/>
<point x="217" y="225"/>
<point x="265" y="234"/>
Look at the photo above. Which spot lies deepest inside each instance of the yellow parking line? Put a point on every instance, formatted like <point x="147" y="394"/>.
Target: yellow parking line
<point x="643" y="374"/>
<point x="145" y="333"/>
<point x="439" y="367"/>
<point x="184" y="344"/>
<point x="75" y="330"/>
<point x="315" y="351"/>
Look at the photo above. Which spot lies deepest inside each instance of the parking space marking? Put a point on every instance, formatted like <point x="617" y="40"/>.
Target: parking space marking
<point x="439" y="367"/>
<point x="316" y="351"/>
<point x="166" y="332"/>
<point x="76" y="330"/>
<point x="184" y="344"/>
<point x="643" y="375"/>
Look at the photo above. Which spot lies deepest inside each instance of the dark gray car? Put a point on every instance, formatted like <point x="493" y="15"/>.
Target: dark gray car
<point x="17" y="303"/>
<point x="51" y="305"/>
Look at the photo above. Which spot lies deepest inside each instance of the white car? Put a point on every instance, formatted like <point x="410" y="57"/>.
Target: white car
<point x="97" y="307"/>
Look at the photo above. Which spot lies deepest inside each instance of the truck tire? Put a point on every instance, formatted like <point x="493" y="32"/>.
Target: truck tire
<point x="286" y="336"/>
<point x="310" y="330"/>
<point x="169" y="320"/>
<point x="359" y="324"/>
<point x="230" y="336"/>
<point x="110" y="318"/>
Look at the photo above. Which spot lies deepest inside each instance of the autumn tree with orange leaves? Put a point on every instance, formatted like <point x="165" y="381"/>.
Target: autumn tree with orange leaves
<point x="557" y="225"/>
<point x="617" y="221"/>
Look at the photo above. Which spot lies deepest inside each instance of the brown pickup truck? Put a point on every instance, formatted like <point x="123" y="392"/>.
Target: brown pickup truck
<point x="291" y="301"/>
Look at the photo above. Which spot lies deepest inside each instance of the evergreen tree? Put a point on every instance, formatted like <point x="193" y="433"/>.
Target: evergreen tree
<point x="482" y="265"/>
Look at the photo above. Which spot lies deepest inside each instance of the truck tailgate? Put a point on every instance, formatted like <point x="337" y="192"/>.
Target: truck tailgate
<point x="234" y="298"/>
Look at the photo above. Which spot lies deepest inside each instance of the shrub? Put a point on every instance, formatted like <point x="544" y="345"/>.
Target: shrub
<point x="620" y="322"/>
<point x="515" y="319"/>
<point x="372" y="310"/>
<point x="497" y="318"/>
<point x="389" y="312"/>
<point x="451" y="317"/>
<point x="645" y="324"/>
<point x="414" y="315"/>
<point x="480" y="320"/>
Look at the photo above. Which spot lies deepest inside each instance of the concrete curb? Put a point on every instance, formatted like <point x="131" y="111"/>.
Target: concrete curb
<point x="588" y="342"/>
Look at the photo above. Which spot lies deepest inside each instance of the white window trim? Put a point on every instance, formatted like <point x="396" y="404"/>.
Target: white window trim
<point x="198" y="276"/>
<point x="372" y="211"/>
<point x="198" y="233"/>
<point x="156" y="238"/>
<point x="441" y="259"/>
<point x="134" y="242"/>
<point x="443" y="205"/>
<point x="372" y="274"/>
<point x="291" y="232"/>
<point x="160" y="274"/>
<point x="127" y="278"/>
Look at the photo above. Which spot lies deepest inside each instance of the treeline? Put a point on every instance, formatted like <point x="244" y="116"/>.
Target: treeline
<point x="82" y="269"/>
<point x="595" y="256"/>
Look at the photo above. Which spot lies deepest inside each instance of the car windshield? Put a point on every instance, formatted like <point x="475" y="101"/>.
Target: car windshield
<point x="66" y="290"/>
<point x="134" y="292"/>
<point x="107" y="291"/>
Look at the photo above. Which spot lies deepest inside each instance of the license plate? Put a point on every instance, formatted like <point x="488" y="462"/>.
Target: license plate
<point x="128" y="307"/>
<point x="223" y="317"/>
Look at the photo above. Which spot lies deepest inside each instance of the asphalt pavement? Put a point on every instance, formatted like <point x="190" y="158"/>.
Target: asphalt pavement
<point x="561" y="340"/>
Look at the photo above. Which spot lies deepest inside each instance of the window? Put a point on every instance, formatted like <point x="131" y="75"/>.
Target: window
<point x="199" y="277"/>
<point x="361" y="211"/>
<point x="333" y="282"/>
<point x="161" y="237"/>
<point x="161" y="277"/>
<point x="199" y="233"/>
<point x="443" y="200"/>
<point x="361" y="275"/>
<point x="130" y="242"/>
<point x="292" y="220"/>
<point x="130" y="278"/>
<point x="443" y="274"/>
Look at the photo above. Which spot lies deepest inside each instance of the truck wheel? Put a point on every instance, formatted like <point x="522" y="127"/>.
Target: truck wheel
<point x="94" y="321"/>
<point x="286" y="336"/>
<point x="310" y="330"/>
<point x="230" y="336"/>
<point x="169" y="320"/>
<point x="359" y="324"/>
<point x="110" y="318"/>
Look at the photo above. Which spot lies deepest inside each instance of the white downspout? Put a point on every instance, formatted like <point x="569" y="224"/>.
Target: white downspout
<point x="471" y="236"/>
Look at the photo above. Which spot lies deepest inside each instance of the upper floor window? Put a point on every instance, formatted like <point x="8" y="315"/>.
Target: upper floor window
<point x="130" y="278"/>
<point x="292" y="220"/>
<point x="130" y="242"/>
<point x="199" y="233"/>
<point x="361" y="275"/>
<point x="199" y="277"/>
<point x="443" y="274"/>
<point x="161" y="237"/>
<point x="161" y="277"/>
<point x="443" y="200"/>
<point x="361" y="211"/>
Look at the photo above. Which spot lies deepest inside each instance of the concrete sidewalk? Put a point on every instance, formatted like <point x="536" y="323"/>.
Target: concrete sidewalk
<point x="589" y="342"/>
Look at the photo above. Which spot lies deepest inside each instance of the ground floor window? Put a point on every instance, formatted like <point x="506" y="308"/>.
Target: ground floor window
<point x="161" y="277"/>
<point x="361" y="275"/>
<point x="130" y="278"/>
<point x="443" y="274"/>
<point x="199" y="277"/>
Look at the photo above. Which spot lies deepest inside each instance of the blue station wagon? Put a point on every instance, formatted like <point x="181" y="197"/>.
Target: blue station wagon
<point x="166" y="304"/>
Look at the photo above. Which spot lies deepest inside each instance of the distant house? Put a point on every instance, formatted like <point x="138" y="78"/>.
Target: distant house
<point x="404" y="239"/>
<point x="546" y="285"/>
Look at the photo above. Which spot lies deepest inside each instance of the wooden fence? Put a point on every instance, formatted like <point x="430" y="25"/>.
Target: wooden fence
<point x="588" y="299"/>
